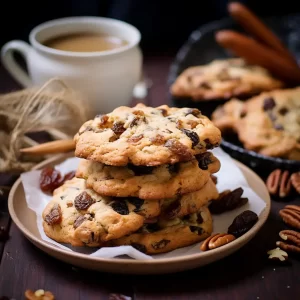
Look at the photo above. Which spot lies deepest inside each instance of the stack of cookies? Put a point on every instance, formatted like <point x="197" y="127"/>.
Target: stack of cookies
<point x="145" y="178"/>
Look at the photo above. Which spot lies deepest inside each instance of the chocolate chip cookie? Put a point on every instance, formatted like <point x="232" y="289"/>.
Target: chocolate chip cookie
<point x="149" y="136"/>
<point x="223" y="79"/>
<point x="149" y="182"/>
<point x="78" y="216"/>
<point x="168" y="235"/>
<point x="268" y="124"/>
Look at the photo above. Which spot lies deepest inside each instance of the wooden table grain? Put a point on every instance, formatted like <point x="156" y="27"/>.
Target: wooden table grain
<point x="246" y="274"/>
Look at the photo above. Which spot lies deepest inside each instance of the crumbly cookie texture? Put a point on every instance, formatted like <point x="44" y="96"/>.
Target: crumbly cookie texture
<point x="223" y="79"/>
<point x="78" y="216"/>
<point x="268" y="124"/>
<point x="169" y="235"/>
<point x="152" y="182"/>
<point x="143" y="135"/>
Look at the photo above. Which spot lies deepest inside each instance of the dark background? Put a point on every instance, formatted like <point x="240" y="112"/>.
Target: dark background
<point x="163" y="23"/>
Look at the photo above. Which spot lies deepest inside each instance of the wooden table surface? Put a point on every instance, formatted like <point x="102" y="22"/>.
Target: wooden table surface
<point x="246" y="274"/>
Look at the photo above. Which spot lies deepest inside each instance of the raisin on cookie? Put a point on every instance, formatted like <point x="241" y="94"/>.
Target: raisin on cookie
<point x="143" y="135"/>
<point x="149" y="182"/>
<point x="79" y="216"/>
<point x="168" y="235"/>
<point x="223" y="79"/>
<point x="268" y="124"/>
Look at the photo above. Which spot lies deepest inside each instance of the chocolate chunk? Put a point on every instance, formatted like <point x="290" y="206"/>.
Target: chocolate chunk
<point x="172" y="210"/>
<point x="120" y="207"/>
<point x="205" y="85"/>
<point x="161" y="244"/>
<point x="54" y="216"/>
<point x="192" y="135"/>
<point x="152" y="227"/>
<point x="196" y="229"/>
<point x="140" y="170"/>
<point x="137" y="202"/>
<point x="204" y="160"/>
<point x="139" y="247"/>
<point x="163" y="112"/>
<point x="269" y="103"/>
<point x="179" y="149"/>
<point x="208" y="144"/>
<point x="83" y="201"/>
<point x="138" y="120"/>
<point x="199" y="218"/>
<point x="173" y="168"/>
<point x="283" y="111"/>
<point x="79" y="221"/>
<point x="194" y="111"/>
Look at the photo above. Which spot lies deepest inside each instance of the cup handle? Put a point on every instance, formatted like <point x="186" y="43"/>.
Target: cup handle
<point x="10" y="63"/>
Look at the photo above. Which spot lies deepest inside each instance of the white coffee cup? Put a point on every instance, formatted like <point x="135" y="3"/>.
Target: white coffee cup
<point x="105" y="79"/>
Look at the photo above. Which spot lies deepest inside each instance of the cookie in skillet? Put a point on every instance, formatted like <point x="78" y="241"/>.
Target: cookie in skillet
<point x="152" y="182"/>
<point x="78" y="216"/>
<point x="143" y="135"/>
<point x="268" y="124"/>
<point x="223" y="79"/>
<point x="169" y="235"/>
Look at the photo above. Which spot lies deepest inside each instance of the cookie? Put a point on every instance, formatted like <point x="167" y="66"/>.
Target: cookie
<point x="148" y="136"/>
<point x="190" y="203"/>
<point x="268" y="124"/>
<point x="78" y="216"/>
<point x="170" y="235"/>
<point x="223" y="79"/>
<point x="149" y="182"/>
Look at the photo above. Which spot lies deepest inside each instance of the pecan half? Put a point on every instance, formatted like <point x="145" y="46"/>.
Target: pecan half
<point x="217" y="240"/>
<point x="279" y="183"/>
<point x="38" y="295"/>
<point x="292" y="241"/>
<point x="277" y="254"/>
<point x="290" y="215"/>
<point x="295" y="180"/>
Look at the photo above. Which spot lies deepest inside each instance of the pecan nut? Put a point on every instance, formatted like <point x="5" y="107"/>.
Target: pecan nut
<point x="278" y="254"/>
<point x="38" y="295"/>
<point x="217" y="240"/>
<point x="292" y="241"/>
<point x="290" y="215"/>
<point x="295" y="180"/>
<point x="279" y="183"/>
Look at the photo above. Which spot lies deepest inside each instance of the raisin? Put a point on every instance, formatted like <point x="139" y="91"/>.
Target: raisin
<point x="269" y="103"/>
<point x="69" y="176"/>
<point x="208" y="144"/>
<point x="139" y="247"/>
<point x="243" y="114"/>
<point x="172" y="210"/>
<point x="179" y="149"/>
<point x="163" y="112"/>
<point x="54" y="216"/>
<point x="205" y="85"/>
<point x="242" y="223"/>
<point x="135" y="138"/>
<point x="120" y="207"/>
<point x="137" y="202"/>
<point x="228" y="200"/>
<point x="140" y="170"/>
<point x="137" y="120"/>
<point x="161" y="244"/>
<point x="192" y="135"/>
<point x="174" y="168"/>
<point x="283" y="111"/>
<point x="79" y="221"/>
<point x="118" y="128"/>
<point x="50" y="179"/>
<point x="204" y="160"/>
<point x="196" y="229"/>
<point x="4" y="236"/>
<point x="83" y="201"/>
<point x="158" y="140"/>
<point x="194" y="111"/>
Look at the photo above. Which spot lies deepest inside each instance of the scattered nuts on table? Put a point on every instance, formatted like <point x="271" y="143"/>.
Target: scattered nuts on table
<point x="242" y="223"/>
<point x="290" y="215"/>
<point x="279" y="183"/>
<point x="295" y="180"/>
<point x="292" y="241"/>
<point x="277" y="254"/>
<point x="228" y="200"/>
<point x="38" y="295"/>
<point x="216" y="240"/>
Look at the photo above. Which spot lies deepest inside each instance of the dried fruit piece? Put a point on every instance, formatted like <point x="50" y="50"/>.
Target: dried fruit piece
<point x="120" y="207"/>
<point x="269" y="103"/>
<point x="79" y="221"/>
<point x="69" y="176"/>
<point x="139" y="247"/>
<point x="174" y="168"/>
<point x="163" y="112"/>
<point x="192" y="135"/>
<point x="54" y="216"/>
<point x="179" y="149"/>
<point x="243" y="223"/>
<point x="228" y="200"/>
<point x="137" y="202"/>
<point x="277" y="254"/>
<point x="194" y="111"/>
<point x="216" y="240"/>
<point x="204" y="160"/>
<point x="135" y="138"/>
<point x="290" y="215"/>
<point x="157" y="140"/>
<point x="295" y="180"/>
<point x="161" y="244"/>
<point x="118" y="128"/>
<point x="83" y="201"/>
<point x="283" y="111"/>
<point x="50" y="179"/>
<point x="140" y="170"/>
<point x="172" y="210"/>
